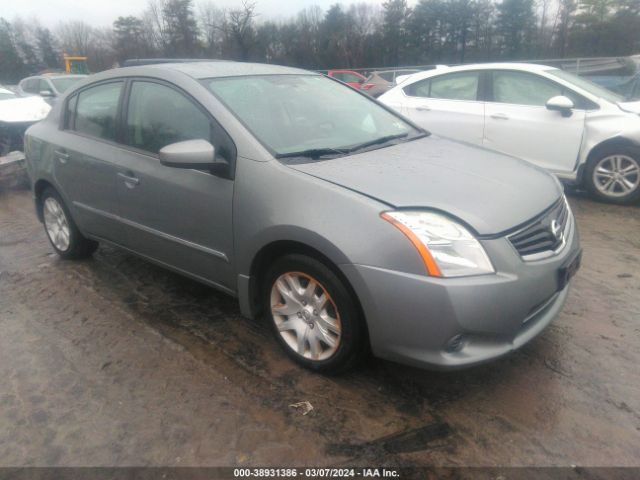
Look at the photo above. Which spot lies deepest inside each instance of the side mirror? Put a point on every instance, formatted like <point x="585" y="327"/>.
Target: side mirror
<point x="193" y="154"/>
<point x="561" y="104"/>
<point x="46" y="93"/>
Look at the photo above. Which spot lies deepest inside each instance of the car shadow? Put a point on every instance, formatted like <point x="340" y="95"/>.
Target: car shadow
<point x="378" y="405"/>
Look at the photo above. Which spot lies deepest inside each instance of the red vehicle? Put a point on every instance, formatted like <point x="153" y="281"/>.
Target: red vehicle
<point x="351" y="78"/>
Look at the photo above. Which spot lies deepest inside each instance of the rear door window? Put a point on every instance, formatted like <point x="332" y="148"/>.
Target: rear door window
<point x="97" y="109"/>
<point x="418" y="89"/>
<point x="453" y="86"/>
<point x="347" y="77"/>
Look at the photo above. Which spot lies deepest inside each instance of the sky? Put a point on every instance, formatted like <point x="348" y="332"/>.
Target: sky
<point x="100" y="13"/>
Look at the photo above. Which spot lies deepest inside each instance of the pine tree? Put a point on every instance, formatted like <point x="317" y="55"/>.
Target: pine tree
<point x="516" y="23"/>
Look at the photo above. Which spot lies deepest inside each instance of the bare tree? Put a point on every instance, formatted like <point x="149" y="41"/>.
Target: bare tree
<point x="365" y="18"/>
<point x="75" y="37"/>
<point x="154" y="26"/>
<point x="240" y="26"/>
<point x="97" y="44"/>
<point x="212" y="20"/>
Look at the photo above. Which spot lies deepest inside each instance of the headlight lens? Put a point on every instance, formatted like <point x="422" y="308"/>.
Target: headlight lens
<point x="447" y="248"/>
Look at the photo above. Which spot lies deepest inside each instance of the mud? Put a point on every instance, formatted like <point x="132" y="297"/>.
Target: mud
<point x="114" y="361"/>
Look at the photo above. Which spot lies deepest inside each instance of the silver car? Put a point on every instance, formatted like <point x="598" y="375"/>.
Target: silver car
<point x="340" y="221"/>
<point x="48" y="86"/>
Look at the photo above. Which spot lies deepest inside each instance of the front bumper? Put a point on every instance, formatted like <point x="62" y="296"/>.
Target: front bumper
<point x="412" y="319"/>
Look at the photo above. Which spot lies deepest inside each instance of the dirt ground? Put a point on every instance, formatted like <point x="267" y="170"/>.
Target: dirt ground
<point x="114" y="361"/>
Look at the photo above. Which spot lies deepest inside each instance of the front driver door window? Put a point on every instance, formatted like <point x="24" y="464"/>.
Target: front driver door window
<point x="447" y="105"/>
<point x="517" y="121"/>
<point x="180" y="217"/>
<point x="44" y="86"/>
<point x="159" y="116"/>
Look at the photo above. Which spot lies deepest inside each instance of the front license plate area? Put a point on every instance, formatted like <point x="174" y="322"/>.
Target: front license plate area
<point x="569" y="269"/>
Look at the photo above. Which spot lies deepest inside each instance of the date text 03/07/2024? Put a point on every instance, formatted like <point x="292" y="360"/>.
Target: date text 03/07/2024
<point x="315" y="473"/>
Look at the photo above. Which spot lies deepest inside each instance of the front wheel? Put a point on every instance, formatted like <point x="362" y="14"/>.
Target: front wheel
<point x="61" y="230"/>
<point x="614" y="175"/>
<point x="313" y="314"/>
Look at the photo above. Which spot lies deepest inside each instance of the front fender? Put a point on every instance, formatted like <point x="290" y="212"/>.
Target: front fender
<point x="610" y="127"/>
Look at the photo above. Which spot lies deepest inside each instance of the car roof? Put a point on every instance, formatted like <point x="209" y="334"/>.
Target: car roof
<point x="392" y="70"/>
<point x="529" y="67"/>
<point x="63" y="75"/>
<point x="200" y="70"/>
<point x="440" y="69"/>
<point x="54" y="76"/>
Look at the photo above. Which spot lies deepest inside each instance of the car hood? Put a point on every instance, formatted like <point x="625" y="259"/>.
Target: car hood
<point x="489" y="191"/>
<point x="20" y="110"/>
<point x="632" y="107"/>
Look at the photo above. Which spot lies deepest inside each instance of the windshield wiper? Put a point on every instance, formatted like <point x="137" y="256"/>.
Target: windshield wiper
<point x="314" y="153"/>
<point x="377" y="141"/>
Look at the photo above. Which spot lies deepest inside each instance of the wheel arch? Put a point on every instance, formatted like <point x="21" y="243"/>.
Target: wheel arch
<point x="278" y="248"/>
<point x="38" y="189"/>
<point x="597" y="149"/>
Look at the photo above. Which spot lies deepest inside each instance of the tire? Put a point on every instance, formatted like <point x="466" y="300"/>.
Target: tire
<point x="302" y="325"/>
<point x="613" y="175"/>
<point x="61" y="230"/>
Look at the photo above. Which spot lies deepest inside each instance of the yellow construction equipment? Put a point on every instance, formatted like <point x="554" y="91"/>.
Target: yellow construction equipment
<point x="76" y="65"/>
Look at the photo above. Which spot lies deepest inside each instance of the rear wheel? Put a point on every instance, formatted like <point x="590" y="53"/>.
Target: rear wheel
<point x="313" y="314"/>
<point x="614" y="175"/>
<point x="61" y="230"/>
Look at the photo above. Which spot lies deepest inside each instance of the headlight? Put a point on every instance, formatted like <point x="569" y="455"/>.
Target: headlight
<point x="447" y="248"/>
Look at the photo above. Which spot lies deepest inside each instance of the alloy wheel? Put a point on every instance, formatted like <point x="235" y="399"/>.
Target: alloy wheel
<point x="616" y="175"/>
<point x="56" y="224"/>
<point x="305" y="316"/>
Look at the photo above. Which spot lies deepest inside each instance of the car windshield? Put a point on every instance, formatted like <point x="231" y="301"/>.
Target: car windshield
<point x="587" y="85"/>
<point x="64" y="83"/>
<point x="308" y="114"/>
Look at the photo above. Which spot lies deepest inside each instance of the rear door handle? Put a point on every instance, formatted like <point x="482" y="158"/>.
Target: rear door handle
<point x="500" y="116"/>
<point x="62" y="156"/>
<point x="129" y="180"/>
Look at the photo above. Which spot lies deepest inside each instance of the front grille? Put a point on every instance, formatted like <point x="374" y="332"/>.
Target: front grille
<point x="544" y="235"/>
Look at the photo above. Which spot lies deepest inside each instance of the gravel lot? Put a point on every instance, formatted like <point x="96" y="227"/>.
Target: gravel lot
<point x="114" y="361"/>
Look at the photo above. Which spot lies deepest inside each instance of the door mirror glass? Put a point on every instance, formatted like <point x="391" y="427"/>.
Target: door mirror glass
<point x="194" y="154"/>
<point x="560" y="104"/>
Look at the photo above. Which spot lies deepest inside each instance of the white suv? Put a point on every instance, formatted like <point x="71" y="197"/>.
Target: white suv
<point x="583" y="133"/>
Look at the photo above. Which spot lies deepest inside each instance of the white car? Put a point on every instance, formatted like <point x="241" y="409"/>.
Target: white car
<point x="583" y="133"/>
<point x="16" y="115"/>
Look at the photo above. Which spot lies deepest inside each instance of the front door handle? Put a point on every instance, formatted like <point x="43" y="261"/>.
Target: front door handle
<point x="62" y="156"/>
<point x="500" y="116"/>
<point x="129" y="180"/>
<point x="423" y="108"/>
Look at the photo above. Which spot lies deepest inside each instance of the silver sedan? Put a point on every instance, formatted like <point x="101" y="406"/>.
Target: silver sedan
<point x="336" y="219"/>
